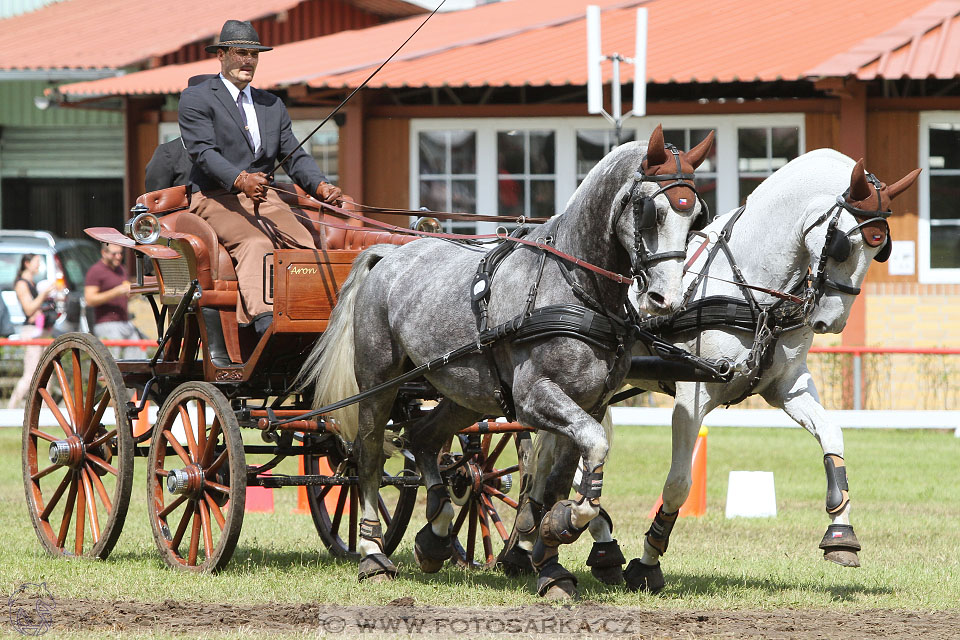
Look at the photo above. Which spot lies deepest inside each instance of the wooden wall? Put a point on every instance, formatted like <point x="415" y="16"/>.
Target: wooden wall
<point x="386" y="162"/>
<point x="823" y="130"/>
<point x="892" y="152"/>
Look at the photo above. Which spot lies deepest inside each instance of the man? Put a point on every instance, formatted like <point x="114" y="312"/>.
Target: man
<point x="235" y="135"/>
<point x="106" y="289"/>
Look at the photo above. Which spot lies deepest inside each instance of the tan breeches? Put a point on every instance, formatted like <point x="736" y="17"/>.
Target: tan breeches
<point x="249" y="231"/>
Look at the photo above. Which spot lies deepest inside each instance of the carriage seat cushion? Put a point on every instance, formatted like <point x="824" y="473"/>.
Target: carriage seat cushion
<point x="166" y="200"/>
<point x="361" y="238"/>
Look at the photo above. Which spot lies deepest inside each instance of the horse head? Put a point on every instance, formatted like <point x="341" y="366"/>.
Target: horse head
<point x="660" y="205"/>
<point x="855" y="232"/>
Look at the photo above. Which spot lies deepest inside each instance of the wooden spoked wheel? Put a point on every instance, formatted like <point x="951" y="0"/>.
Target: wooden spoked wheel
<point x="196" y="479"/>
<point x="480" y="490"/>
<point x="336" y="508"/>
<point x="78" y="472"/>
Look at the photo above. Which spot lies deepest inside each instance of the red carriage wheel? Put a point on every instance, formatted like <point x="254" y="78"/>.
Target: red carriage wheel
<point x="336" y="508"/>
<point x="196" y="479"/>
<point x="480" y="490"/>
<point x="78" y="472"/>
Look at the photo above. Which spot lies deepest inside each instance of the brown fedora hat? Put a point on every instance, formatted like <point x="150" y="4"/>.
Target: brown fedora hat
<point x="237" y="33"/>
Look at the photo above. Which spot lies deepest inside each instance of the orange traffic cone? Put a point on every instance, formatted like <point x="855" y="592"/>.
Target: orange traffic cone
<point x="141" y="424"/>
<point x="330" y="500"/>
<point x="696" y="504"/>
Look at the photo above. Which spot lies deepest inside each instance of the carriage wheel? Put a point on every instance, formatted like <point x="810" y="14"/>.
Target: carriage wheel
<point x="336" y="510"/>
<point x="484" y="512"/>
<point x="77" y="474"/>
<point x="196" y="479"/>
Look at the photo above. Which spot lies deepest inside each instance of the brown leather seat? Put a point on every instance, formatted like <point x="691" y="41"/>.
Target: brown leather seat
<point x="215" y="272"/>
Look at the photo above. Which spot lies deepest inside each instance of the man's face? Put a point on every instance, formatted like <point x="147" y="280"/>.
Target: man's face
<point x="238" y="65"/>
<point x="112" y="254"/>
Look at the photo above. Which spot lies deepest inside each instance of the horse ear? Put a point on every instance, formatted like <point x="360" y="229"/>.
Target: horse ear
<point x="656" y="153"/>
<point x="859" y="189"/>
<point x="699" y="153"/>
<point x="902" y="184"/>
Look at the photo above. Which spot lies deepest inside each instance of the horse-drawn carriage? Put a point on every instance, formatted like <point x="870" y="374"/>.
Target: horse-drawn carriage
<point x="79" y="473"/>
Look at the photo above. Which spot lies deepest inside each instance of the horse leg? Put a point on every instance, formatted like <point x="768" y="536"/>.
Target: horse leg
<point x="644" y="573"/>
<point x="606" y="558"/>
<point x="374" y="412"/>
<point x="800" y="400"/>
<point x="545" y="405"/>
<point x="434" y="544"/>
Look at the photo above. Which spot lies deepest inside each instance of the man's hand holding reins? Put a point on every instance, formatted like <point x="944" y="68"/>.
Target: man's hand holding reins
<point x="330" y="194"/>
<point x="253" y="185"/>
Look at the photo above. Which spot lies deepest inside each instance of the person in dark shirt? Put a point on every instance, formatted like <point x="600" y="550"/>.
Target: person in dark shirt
<point x="106" y="289"/>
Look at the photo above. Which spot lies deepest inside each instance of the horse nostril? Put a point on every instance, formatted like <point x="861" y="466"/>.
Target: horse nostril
<point x="657" y="299"/>
<point x="820" y="326"/>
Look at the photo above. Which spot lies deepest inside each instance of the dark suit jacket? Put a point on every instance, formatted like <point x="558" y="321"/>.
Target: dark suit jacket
<point x="170" y="166"/>
<point x="212" y="130"/>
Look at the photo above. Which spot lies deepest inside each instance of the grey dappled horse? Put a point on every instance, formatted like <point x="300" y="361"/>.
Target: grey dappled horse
<point x="404" y="306"/>
<point x="791" y="222"/>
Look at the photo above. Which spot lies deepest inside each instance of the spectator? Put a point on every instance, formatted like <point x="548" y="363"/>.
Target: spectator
<point x="170" y="166"/>
<point x="39" y="313"/>
<point x="106" y="289"/>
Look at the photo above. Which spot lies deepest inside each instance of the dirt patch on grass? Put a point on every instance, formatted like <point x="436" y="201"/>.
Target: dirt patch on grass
<point x="403" y="617"/>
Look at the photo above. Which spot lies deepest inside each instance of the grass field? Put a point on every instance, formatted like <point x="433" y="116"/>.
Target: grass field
<point x="904" y="488"/>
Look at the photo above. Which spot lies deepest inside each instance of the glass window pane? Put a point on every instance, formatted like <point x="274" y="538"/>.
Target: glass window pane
<point x="510" y="146"/>
<point x="945" y="146"/>
<point x="542" y="198"/>
<point x="433" y="194"/>
<point x="945" y="247"/>
<point x="752" y="151"/>
<point x="709" y="165"/>
<point x="707" y="188"/>
<point x="542" y="152"/>
<point x="626" y="135"/>
<point x="944" y="198"/>
<point x="433" y="152"/>
<point x="464" y="195"/>
<point x="323" y="148"/>
<point x="676" y="137"/>
<point x="511" y="197"/>
<point x="747" y="185"/>
<point x="785" y="145"/>
<point x="591" y="147"/>
<point x="463" y="152"/>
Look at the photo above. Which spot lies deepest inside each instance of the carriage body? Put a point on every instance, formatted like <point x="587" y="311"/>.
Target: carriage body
<point x="199" y="472"/>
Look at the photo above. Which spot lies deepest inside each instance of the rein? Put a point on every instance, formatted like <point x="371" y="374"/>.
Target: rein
<point x="540" y="244"/>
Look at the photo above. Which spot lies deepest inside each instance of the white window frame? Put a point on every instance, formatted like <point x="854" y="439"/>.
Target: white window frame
<point x="565" y="130"/>
<point x="925" y="273"/>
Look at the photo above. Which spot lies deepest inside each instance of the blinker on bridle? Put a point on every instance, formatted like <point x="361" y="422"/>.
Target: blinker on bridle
<point x="837" y="246"/>
<point x="646" y="216"/>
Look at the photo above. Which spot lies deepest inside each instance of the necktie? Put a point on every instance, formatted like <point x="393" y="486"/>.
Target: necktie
<point x="243" y="118"/>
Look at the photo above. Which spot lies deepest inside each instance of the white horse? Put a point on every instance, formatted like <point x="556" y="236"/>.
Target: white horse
<point x="812" y="228"/>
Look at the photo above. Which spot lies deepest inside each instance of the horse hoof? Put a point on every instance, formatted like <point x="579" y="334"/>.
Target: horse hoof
<point x="515" y="562"/>
<point x="644" y="577"/>
<point x="842" y="557"/>
<point x="430" y="550"/>
<point x="561" y="591"/>
<point x="376" y="568"/>
<point x="608" y="575"/>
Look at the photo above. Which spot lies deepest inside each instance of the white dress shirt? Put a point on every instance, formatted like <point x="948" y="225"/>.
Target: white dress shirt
<point x="252" y="124"/>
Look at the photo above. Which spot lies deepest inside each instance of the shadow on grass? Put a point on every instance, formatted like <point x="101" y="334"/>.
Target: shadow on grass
<point x="712" y="584"/>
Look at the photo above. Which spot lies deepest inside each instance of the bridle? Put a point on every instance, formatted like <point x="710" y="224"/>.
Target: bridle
<point x="836" y="244"/>
<point x="646" y="216"/>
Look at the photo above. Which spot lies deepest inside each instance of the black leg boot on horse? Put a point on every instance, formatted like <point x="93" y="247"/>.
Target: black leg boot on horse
<point x="839" y="543"/>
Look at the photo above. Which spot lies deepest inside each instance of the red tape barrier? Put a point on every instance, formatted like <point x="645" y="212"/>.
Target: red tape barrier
<point x="42" y="342"/>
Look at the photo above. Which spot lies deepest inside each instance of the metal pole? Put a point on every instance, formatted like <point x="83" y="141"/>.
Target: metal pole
<point x="857" y="382"/>
<point x="615" y="99"/>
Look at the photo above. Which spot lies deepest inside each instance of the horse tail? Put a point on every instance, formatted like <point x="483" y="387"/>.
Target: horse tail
<point x="330" y="364"/>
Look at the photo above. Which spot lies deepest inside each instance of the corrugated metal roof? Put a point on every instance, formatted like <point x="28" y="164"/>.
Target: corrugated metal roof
<point x="543" y="42"/>
<point x="84" y="34"/>
<point x="924" y="45"/>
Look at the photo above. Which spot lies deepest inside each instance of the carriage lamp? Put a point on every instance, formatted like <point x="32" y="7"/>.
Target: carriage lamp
<point x="430" y="225"/>
<point x="143" y="227"/>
